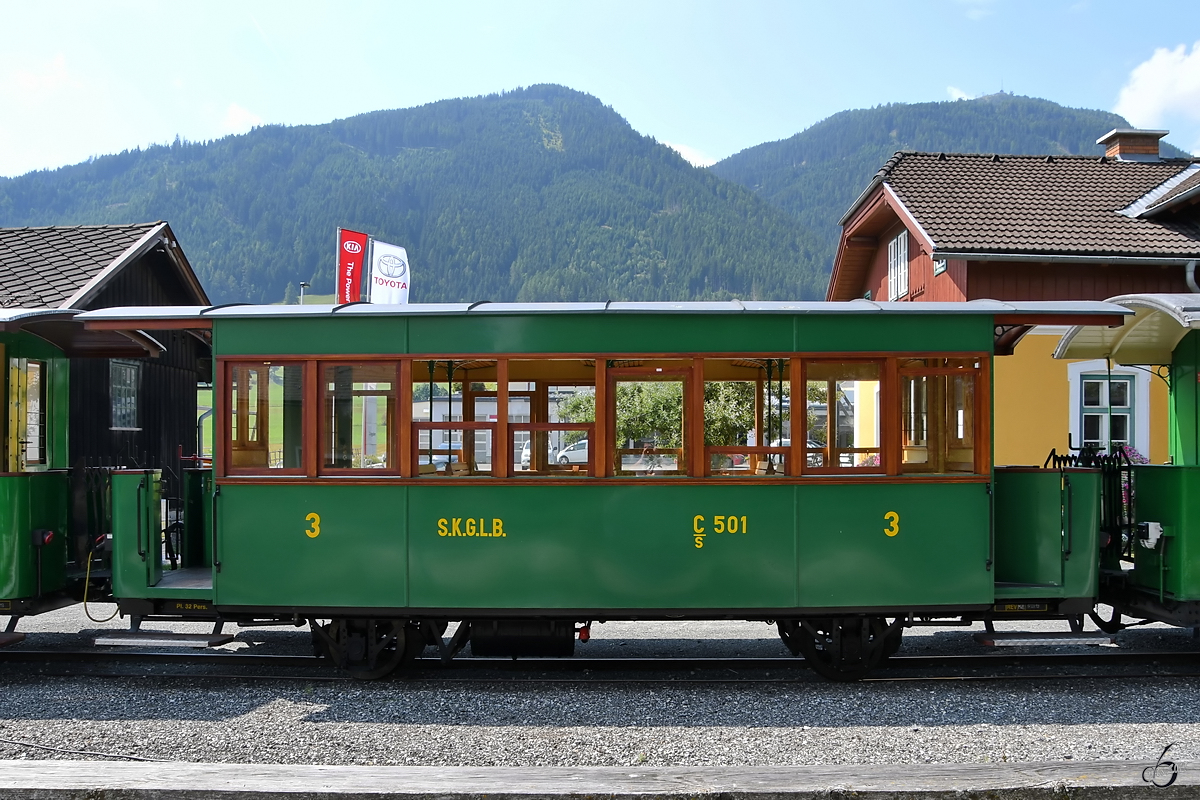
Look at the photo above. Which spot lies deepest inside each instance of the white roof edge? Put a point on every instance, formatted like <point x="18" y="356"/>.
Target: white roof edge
<point x="1183" y="308"/>
<point x="14" y="314"/>
<point x="1064" y="258"/>
<point x="1139" y="206"/>
<point x="858" y="306"/>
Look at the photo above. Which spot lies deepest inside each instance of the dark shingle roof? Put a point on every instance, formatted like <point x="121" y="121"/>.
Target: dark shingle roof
<point x="43" y="267"/>
<point x="1061" y="205"/>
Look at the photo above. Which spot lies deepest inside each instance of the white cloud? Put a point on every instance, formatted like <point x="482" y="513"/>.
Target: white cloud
<point x="976" y="9"/>
<point x="958" y="94"/>
<point x="1164" y="90"/>
<point x="692" y="155"/>
<point x="239" y="120"/>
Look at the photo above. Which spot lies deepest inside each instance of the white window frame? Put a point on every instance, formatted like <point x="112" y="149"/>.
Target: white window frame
<point x="1139" y="412"/>
<point x="898" y="266"/>
<point x="124" y="401"/>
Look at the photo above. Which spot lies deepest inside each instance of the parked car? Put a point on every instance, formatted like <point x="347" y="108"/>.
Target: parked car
<point x="527" y="457"/>
<point x="574" y="454"/>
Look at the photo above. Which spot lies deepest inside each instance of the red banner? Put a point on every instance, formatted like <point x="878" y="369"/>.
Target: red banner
<point x="352" y="252"/>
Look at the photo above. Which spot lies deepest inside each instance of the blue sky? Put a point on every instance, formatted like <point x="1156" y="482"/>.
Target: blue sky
<point x="710" y="78"/>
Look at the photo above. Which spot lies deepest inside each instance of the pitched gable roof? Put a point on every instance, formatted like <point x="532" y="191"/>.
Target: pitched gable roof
<point x="64" y="266"/>
<point x="1037" y="205"/>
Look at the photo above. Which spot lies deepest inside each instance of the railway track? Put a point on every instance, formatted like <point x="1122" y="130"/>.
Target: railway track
<point x="255" y="666"/>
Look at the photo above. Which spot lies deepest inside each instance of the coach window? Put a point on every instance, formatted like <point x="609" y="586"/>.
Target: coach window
<point x="842" y="418"/>
<point x="266" y="420"/>
<point x="939" y="413"/>
<point x="27" y="407"/>
<point x="358" y="416"/>
<point x="453" y="418"/>
<point x="551" y="418"/>
<point x="747" y="417"/>
<point x="647" y="416"/>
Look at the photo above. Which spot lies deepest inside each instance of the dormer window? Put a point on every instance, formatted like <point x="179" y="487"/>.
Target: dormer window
<point x="898" y="266"/>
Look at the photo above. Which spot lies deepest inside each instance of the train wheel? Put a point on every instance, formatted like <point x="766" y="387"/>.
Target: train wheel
<point x="840" y="648"/>
<point x="365" y="648"/>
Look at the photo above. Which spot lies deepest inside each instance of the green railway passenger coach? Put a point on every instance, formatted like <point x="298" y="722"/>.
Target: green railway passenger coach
<point x="527" y="468"/>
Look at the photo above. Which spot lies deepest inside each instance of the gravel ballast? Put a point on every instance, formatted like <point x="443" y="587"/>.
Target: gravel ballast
<point x="568" y="722"/>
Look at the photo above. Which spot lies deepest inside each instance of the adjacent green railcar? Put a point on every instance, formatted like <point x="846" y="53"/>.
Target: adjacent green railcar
<point x="1151" y="554"/>
<point x="524" y="469"/>
<point x="34" y="484"/>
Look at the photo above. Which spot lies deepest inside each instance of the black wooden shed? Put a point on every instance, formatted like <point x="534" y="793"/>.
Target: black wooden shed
<point x="124" y="412"/>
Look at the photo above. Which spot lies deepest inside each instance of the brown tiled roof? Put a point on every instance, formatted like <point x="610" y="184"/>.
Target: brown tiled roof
<point x="1060" y="205"/>
<point x="1189" y="184"/>
<point x="43" y="267"/>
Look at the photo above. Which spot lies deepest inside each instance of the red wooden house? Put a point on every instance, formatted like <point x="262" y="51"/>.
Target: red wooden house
<point x="957" y="226"/>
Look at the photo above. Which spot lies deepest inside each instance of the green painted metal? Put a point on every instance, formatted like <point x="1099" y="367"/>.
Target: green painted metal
<point x="1169" y="495"/>
<point x="29" y="502"/>
<point x="603" y="546"/>
<point x="1047" y="525"/>
<point x="1185" y="401"/>
<point x="196" y="549"/>
<point x="58" y="394"/>
<point x="358" y="557"/>
<point x="601" y="333"/>
<point x="137" y="565"/>
<point x="134" y="495"/>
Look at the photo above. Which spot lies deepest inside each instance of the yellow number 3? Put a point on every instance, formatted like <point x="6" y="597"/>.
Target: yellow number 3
<point x="894" y="523"/>
<point x="315" y="530"/>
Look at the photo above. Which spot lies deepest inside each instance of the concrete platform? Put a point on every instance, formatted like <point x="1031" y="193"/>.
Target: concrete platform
<point x="162" y="639"/>
<point x="1038" y="639"/>
<point x="92" y="780"/>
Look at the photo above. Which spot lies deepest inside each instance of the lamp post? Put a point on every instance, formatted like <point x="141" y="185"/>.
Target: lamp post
<point x="303" y="286"/>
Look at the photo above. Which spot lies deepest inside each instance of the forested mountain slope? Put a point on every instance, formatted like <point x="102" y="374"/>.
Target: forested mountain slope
<point x="538" y="194"/>
<point x="819" y="172"/>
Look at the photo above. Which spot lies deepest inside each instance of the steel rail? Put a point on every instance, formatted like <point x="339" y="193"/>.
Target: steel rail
<point x="955" y="666"/>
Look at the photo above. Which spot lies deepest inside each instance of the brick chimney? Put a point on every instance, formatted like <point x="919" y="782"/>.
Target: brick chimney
<point x="1131" y="144"/>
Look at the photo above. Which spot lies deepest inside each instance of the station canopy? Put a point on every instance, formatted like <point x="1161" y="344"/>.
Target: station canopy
<point x="1146" y="337"/>
<point x="62" y="328"/>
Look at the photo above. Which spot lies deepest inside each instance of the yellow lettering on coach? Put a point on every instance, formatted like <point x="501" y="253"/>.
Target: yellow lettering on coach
<point x="471" y="526"/>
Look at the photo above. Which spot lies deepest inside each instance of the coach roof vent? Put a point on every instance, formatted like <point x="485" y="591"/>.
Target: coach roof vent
<point x="1131" y="144"/>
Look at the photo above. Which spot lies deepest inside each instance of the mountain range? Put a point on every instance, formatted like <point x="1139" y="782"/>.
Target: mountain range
<point x="542" y="193"/>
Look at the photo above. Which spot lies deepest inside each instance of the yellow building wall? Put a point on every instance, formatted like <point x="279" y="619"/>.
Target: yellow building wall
<point x="1032" y="405"/>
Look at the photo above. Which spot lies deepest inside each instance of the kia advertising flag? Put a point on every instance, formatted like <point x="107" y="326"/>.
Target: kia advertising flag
<point x="352" y="251"/>
<point x="389" y="273"/>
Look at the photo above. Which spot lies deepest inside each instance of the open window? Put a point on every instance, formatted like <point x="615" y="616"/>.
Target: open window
<point x="453" y="418"/>
<point x="551" y="418"/>
<point x="940" y="410"/>
<point x="842" y="421"/>
<point x="358" y="417"/>
<point x="265" y="418"/>
<point x="747" y="417"/>
<point x="648" y="417"/>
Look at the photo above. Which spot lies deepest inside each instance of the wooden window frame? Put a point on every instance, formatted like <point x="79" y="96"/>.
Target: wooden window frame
<point x="308" y="456"/>
<point x="982" y="423"/>
<point x="686" y="376"/>
<point x="323" y="426"/>
<point x="886" y="426"/>
<point x="588" y="427"/>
